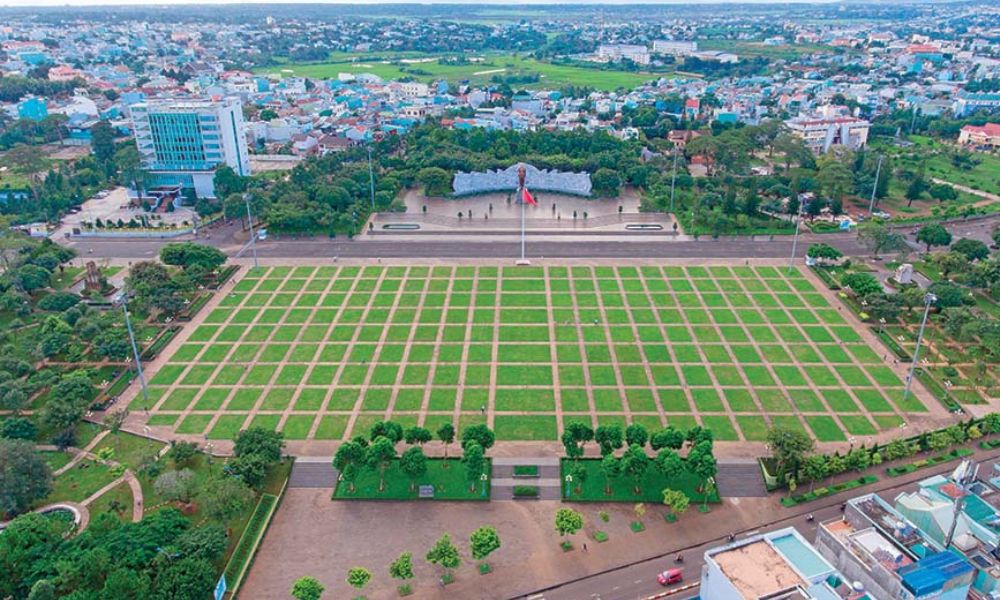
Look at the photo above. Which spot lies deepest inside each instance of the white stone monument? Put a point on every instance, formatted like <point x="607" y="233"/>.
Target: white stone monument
<point x="904" y="273"/>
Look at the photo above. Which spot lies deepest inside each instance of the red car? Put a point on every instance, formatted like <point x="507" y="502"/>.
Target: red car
<point x="670" y="577"/>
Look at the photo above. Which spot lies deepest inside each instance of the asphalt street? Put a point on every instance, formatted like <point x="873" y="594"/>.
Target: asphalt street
<point x="641" y="248"/>
<point x="637" y="581"/>
<point x="231" y="240"/>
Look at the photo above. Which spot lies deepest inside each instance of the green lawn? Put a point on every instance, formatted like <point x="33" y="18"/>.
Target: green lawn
<point x="550" y="74"/>
<point x="651" y="485"/>
<point x="678" y="345"/>
<point x="447" y="476"/>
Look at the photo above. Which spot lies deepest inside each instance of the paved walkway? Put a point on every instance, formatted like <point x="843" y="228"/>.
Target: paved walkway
<point x="547" y="481"/>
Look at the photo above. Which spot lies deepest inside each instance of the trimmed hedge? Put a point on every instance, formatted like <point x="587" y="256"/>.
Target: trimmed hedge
<point x="825" y="276"/>
<point x="525" y="491"/>
<point x="822" y="492"/>
<point x="927" y="462"/>
<point x="246" y="548"/>
<point x="160" y="343"/>
<point x="525" y="470"/>
<point x="894" y="346"/>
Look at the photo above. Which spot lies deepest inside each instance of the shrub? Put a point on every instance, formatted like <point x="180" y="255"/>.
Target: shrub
<point x="637" y="526"/>
<point x="566" y="545"/>
<point x="525" y="491"/>
<point x="604" y="516"/>
<point x="484" y="568"/>
<point x="600" y="537"/>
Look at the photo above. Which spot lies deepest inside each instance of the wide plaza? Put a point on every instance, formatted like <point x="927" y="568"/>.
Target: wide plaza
<point x="322" y="352"/>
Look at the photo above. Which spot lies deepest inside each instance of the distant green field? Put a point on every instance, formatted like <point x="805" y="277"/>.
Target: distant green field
<point x="391" y="66"/>
<point x="749" y="48"/>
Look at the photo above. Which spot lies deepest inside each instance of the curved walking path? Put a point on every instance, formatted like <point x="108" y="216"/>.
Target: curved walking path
<point x="128" y="477"/>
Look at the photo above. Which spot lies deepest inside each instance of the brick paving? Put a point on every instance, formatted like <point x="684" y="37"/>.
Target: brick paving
<point x="330" y="349"/>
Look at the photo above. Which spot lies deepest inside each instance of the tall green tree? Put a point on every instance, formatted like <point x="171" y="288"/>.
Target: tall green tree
<point x="24" y="476"/>
<point x="934" y="234"/>
<point x="413" y="464"/>
<point x="379" y="455"/>
<point x="788" y="448"/>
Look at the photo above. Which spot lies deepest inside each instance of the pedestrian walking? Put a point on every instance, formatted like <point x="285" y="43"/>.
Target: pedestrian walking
<point x="482" y="409"/>
<point x="585" y="546"/>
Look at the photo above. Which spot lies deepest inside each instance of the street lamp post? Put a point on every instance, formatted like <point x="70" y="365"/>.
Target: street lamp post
<point x="795" y="239"/>
<point x="928" y="300"/>
<point x="371" y="177"/>
<point x="123" y="298"/>
<point x="673" y="180"/>
<point x="878" y="171"/>
<point x="253" y="236"/>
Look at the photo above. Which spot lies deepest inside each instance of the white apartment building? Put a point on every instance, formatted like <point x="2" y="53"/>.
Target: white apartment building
<point x="674" y="47"/>
<point x="637" y="54"/>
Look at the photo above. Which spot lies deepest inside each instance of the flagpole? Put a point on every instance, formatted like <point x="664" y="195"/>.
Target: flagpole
<point x="522" y="224"/>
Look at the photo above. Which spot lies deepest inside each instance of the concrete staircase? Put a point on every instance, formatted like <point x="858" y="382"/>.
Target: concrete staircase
<point x="547" y="482"/>
<point x="312" y="472"/>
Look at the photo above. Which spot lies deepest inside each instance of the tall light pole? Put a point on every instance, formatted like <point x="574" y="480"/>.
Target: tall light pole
<point x="123" y="298"/>
<point x="928" y="300"/>
<point x="371" y="177"/>
<point x="878" y="171"/>
<point x="673" y="180"/>
<point x="253" y="236"/>
<point x="795" y="238"/>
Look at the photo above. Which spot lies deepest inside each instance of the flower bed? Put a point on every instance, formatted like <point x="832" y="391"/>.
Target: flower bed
<point x="927" y="462"/>
<point x="822" y="492"/>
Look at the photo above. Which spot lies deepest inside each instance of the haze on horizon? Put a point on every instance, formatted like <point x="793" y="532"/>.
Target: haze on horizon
<point x="86" y="3"/>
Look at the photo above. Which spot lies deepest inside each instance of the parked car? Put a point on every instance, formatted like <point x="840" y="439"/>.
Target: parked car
<point x="670" y="577"/>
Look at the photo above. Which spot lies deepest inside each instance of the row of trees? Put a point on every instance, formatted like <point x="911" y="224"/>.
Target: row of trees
<point x="793" y="461"/>
<point x="378" y="451"/>
<point x="634" y="462"/>
<point x="444" y="553"/>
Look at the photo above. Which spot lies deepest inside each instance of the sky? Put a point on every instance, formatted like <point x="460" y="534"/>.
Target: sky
<point x="54" y="3"/>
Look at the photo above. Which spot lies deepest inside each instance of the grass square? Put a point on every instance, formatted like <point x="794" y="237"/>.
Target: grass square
<point x="518" y="427"/>
<point x="244" y="399"/>
<point x="825" y="428"/>
<point x="194" y="424"/>
<point x="574" y="400"/>
<point x="722" y="428"/>
<point x="226" y="427"/>
<point x="297" y="427"/>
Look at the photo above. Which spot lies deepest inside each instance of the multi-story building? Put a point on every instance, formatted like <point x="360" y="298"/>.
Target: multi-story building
<point x="966" y="519"/>
<point x="820" y="133"/>
<point x="637" y="54"/>
<point x="987" y="136"/>
<point x="674" y="47"/>
<point x="890" y="557"/>
<point x="968" y="103"/>
<point x="182" y="142"/>
<point x="780" y="564"/>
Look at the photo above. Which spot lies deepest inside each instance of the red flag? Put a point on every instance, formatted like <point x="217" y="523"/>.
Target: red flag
<point x="528" y="198"/>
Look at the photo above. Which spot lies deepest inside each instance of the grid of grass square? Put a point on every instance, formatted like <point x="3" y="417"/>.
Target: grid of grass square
<point x="323" y="352"/>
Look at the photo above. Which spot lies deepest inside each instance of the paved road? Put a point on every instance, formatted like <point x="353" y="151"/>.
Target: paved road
<point x="229" y="239"/>
<point x="638" y="580"/>
<point x="319" y="249"/>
